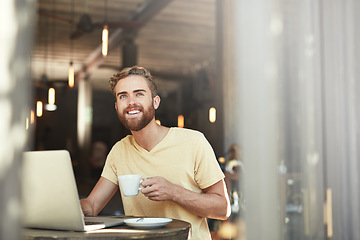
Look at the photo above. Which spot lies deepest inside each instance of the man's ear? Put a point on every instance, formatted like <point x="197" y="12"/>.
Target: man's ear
<point x="156" y="101"/>
<point x="116" y="106"/>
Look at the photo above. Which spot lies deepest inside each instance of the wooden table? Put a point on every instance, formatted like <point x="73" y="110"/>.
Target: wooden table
<point x="177" y="230"/>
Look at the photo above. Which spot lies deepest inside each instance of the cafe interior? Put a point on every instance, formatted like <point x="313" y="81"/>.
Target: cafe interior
<point x="272" y="84"/>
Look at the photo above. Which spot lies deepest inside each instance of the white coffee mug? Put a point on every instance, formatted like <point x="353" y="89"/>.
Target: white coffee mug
<point x="130" y="184"/>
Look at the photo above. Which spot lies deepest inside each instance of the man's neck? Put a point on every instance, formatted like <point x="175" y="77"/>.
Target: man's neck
<point x="150" y="136"/>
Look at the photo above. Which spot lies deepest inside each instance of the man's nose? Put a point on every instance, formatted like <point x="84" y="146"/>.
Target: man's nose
<point x="131" y="100"/>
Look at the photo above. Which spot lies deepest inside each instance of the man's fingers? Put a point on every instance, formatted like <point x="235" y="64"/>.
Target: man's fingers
<point x="147" y="182"/>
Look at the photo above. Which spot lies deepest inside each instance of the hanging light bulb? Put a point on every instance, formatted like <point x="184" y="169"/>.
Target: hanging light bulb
<point x="222" y="160"/>
<point x="71" y="77"/>
<point x="180" y="121"/>
<point x="32" y="117"/>
<point x="39" y="108"/>
<point x="51" y="96"/>
<point x="105" y="37"/>
<point x="212" y="115"/>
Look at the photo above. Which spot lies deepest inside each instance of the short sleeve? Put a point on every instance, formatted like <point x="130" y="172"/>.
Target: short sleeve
<point x="109" y="171"/>
<point x="207" y="169"/>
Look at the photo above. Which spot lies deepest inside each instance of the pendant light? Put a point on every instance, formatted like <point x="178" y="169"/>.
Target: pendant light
<point x="71" y="77"/>
<point x="39" y="108"/>
<point x="44" y="78"/>
<point x="105" y="42"/>
<point x="105" y="35"/>
<point x="180" y="121"/>
<point x="51" y="96"/>
<point x="51" y="92"/>
<point x="212" y="115"/>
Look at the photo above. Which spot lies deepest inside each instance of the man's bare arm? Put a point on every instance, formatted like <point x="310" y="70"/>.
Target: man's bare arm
<point x="213" y="202"/>
<point x="99" y="197"/>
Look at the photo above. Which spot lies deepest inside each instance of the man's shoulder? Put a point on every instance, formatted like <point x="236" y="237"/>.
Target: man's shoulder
<point x="123" y="142"/>
<point x="186" y="133"/>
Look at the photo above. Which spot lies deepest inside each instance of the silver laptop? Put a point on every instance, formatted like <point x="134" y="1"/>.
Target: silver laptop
<point x="50" y="196"/>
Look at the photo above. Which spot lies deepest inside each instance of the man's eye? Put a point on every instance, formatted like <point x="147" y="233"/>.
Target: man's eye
<point x="122" y="96"/>
<point x="139" y="94"/>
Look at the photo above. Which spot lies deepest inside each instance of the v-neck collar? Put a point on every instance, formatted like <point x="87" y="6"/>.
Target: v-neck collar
<point x="155" y="147"/>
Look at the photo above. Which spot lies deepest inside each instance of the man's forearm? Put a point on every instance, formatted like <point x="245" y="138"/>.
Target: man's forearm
<point x="209" y="205"/>
<point x="98" y="198"/>
<point x="213" y="202"/>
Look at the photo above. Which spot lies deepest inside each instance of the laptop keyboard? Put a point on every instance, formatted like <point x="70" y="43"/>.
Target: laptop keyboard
<point x="93" y="223"/>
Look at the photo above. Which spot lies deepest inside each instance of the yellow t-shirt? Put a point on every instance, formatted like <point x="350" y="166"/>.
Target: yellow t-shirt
<point x="184" y="157"/>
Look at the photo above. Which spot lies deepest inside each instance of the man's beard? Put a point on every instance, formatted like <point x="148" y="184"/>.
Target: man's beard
<point x="137" y="124"/>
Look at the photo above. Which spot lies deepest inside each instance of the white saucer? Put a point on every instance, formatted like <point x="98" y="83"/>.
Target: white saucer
<point x="147" y="222"/>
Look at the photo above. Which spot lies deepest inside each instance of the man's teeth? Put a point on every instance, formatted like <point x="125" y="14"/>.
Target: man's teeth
<point x="133" y="112"/>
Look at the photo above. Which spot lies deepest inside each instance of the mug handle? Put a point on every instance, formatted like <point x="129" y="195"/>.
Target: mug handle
<point x="140" y="185"/>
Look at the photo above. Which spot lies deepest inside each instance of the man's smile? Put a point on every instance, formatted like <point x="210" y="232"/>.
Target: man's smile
<point x="132" y="112"/>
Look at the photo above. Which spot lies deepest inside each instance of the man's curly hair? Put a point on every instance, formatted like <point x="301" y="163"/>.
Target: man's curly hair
<point x="135" y="70"/>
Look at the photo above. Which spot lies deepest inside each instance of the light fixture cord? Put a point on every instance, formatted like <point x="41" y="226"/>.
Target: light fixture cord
<point x="46" y="43"/>
<point x="53" y="32"/>
<point x="72" y="30"/>
<point x="106" y="16"/>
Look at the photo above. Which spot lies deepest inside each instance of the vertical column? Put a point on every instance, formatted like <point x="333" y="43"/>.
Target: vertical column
<point x="257" y="72"/>
<point x="217" y="128"/>
<point x="341" y="51"/>
<point x="85" y="117"/>
<point x="309" y="135"/>
<point x="15" y="43"/>
<point x="231" y="120"/>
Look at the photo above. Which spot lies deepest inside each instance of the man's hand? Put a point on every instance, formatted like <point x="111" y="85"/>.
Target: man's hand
<point x="98" y="198"/>
<point x="86" y="207"/>
<point x="212" y="202"/>
<point x="158" y="189"/>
